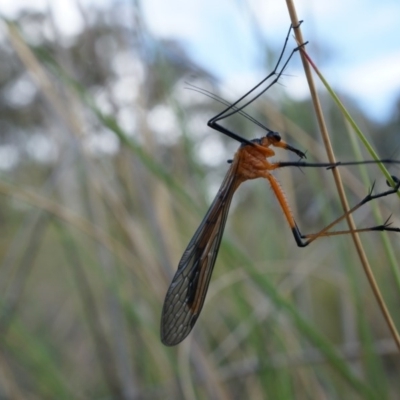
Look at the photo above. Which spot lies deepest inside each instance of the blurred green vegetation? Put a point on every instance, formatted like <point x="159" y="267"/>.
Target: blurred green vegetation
<point x="107" y="168"/>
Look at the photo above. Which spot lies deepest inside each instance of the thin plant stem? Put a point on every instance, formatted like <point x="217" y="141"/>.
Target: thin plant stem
<point x="338" y="182"/>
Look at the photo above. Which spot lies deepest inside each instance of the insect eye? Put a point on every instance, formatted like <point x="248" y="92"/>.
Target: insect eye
<point x="275" y="136"/>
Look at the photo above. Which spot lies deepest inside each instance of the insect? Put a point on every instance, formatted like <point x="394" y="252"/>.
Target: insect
<point x="186" y="294"/>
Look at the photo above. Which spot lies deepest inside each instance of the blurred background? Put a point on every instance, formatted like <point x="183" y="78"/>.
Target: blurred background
<point x="107" y="167"/>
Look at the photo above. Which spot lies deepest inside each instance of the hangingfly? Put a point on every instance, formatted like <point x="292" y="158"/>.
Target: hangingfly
<point x="186" y="294"/>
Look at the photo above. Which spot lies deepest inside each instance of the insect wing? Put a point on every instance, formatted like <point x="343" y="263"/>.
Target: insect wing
<point x="186" y="294"/>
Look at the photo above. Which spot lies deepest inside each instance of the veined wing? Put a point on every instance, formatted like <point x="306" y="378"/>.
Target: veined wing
<point x="186" y="294"/>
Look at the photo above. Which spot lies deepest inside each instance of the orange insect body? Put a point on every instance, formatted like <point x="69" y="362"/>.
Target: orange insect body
<point x="252" y="164"/>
